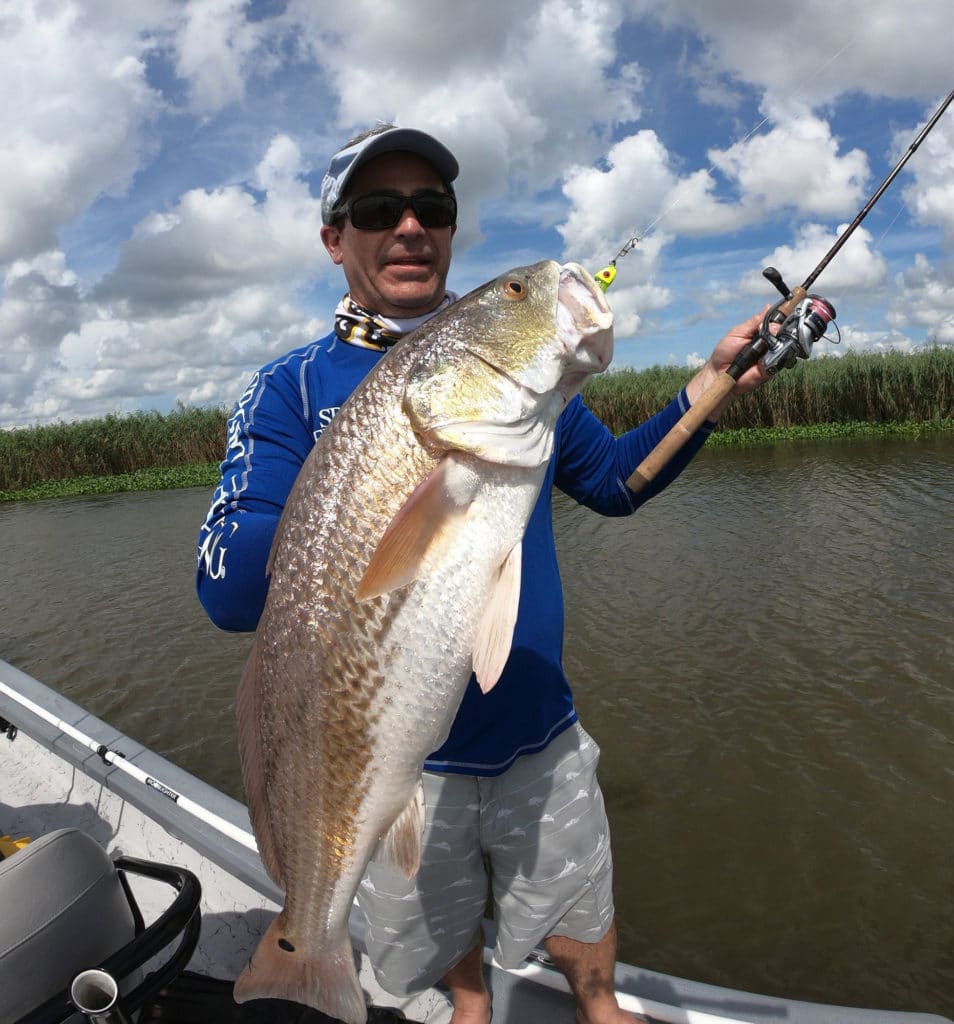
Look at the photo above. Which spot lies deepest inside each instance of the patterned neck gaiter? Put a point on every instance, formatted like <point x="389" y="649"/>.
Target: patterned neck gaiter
<point x="359" y="326"/>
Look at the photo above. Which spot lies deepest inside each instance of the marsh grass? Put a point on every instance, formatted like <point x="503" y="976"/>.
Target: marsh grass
<point x="850" y="396"/>
<point x="857" y="389"/>
<point x="108" y="448"/>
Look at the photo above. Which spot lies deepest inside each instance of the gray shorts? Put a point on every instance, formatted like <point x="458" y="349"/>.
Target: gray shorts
<point x="535" y="839"/>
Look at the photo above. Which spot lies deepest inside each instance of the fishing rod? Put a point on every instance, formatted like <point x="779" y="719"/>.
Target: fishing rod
<point x="787" y="333"/>
<point x="118" y="760"/>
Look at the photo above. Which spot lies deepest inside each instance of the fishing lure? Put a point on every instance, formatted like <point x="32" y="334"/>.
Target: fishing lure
<point x="606" y="276"/>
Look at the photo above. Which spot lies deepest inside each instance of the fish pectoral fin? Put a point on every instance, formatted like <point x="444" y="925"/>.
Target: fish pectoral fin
<point x="495" y="633"/>
<point x="436" y="507"/>
<point x="401" y="846"/>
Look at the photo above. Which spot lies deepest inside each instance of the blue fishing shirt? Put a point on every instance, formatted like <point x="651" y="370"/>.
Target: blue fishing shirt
<point x="278" y="419"/>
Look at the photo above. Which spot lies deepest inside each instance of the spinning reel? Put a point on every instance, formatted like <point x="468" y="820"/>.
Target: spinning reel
<point x="799" y="329"/>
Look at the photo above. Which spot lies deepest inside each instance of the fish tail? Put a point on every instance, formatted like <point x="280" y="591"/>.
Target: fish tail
<point x="328" y="983"/>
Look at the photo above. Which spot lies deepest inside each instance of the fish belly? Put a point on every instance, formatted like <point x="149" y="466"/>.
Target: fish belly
<point x="350" y="704"/>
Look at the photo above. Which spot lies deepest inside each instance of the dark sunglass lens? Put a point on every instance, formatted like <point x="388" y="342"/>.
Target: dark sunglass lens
<point x="376" y="212"/>
<point x="435" y="209"/>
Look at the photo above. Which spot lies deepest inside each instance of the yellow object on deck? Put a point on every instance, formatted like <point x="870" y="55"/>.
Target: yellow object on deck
<point x="606" y="276"/>
<point x="9" y="846"/>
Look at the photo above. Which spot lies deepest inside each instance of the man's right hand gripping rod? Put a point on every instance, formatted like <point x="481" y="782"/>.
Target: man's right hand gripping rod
<point x="802" y="319"/>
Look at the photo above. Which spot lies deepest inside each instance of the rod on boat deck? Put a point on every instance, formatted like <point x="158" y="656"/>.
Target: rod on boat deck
<point x="117" y="760"/>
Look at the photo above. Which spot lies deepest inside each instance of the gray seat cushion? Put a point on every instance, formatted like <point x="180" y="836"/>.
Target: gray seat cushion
<point x="62" y="911"/>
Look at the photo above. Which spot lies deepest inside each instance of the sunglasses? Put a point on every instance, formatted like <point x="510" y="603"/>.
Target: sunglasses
<point x="378" y="211"/>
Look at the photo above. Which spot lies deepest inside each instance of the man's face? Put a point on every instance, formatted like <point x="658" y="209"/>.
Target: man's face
<point x="399" y="271"/>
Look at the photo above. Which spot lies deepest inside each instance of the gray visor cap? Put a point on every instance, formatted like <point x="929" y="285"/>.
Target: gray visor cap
<point x="346" y="161"/>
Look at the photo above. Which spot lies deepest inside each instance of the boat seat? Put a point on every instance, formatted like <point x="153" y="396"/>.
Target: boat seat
<point x="65" y="908"/>
<point x="62" y="910"/>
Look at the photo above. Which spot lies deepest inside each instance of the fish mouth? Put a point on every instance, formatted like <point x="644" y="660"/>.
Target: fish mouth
<point x="585" y="318"/>
<point x="585" y="298"/>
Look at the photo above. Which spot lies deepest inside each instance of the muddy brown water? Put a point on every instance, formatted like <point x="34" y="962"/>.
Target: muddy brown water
<point x="765" y="654"/>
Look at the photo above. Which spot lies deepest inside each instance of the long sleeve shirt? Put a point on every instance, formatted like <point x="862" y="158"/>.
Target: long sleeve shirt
<point x="278" y="419"/>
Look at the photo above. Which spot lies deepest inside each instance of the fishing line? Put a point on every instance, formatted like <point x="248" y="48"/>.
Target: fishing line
<point x="901" y="210"/>
<point x="607" y="275"/>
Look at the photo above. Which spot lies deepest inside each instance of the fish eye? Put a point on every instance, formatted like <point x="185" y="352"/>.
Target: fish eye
<point x="513" y="288"/>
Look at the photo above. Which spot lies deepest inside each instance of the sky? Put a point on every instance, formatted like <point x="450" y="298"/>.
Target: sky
<point x="160" y="165"/>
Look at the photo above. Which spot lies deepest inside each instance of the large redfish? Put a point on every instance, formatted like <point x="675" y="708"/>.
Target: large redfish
<point x="395" y="573"/>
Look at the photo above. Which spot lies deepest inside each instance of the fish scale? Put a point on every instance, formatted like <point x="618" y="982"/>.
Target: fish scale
<point x="401" y="532"/>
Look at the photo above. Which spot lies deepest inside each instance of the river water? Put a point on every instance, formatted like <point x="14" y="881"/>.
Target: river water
<point x="765" y="654"/>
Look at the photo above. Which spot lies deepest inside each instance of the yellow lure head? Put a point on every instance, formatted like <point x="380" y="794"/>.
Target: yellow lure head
<point x="606" y="276"/>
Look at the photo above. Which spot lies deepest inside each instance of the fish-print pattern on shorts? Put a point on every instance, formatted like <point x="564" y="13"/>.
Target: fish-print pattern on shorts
<point x="534" y="840"/>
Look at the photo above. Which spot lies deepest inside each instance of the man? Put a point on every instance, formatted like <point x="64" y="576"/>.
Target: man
<point x="513" y="789"/>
